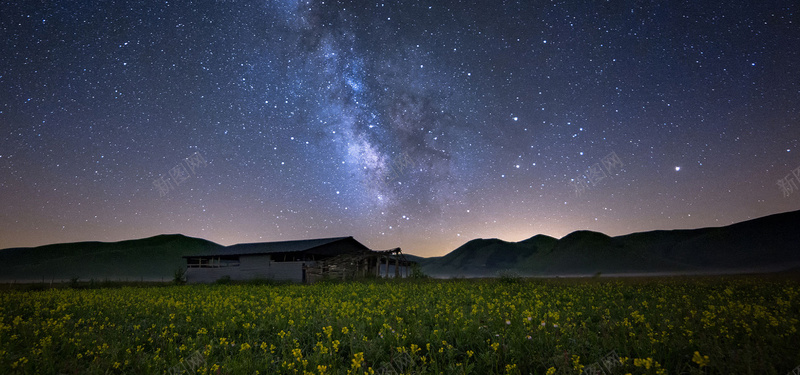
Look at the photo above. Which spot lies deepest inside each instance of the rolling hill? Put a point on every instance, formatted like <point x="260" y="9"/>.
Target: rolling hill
<point x="771" y="242"/>
<point x="149" y="258"/>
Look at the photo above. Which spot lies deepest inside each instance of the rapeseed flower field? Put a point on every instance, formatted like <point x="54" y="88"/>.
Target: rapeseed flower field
<point x="743" y="325"/>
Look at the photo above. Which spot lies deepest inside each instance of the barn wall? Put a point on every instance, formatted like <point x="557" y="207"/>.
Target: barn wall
<point x="255" y="266"/>
<point x="250" y="267"/>
<point x="291" y="271"/>
<point x="209" y="275"/>
<point x="262" y="267"/>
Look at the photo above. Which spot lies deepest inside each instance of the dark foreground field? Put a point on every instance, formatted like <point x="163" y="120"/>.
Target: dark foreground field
<point x="677" y="325"/>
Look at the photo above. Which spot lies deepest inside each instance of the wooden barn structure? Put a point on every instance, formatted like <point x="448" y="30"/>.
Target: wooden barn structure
<point x="303" y="261"/>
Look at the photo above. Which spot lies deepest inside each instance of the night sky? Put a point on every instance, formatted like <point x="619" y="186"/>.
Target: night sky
<point x="402" y="123"/>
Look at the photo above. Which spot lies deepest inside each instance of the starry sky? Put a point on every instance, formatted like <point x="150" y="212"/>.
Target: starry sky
<point x="415" y="124"/>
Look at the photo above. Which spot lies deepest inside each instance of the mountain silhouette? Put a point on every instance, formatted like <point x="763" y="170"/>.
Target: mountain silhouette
<point x="769" y="243"/>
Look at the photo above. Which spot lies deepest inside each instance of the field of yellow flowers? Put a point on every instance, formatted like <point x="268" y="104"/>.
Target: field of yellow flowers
<point x="743" y="325"/>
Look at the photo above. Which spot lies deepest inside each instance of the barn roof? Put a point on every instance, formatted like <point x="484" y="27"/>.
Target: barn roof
<point x="280" y="247"/>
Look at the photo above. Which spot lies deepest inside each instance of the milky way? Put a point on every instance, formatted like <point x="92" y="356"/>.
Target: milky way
<point x="411" y="124"/>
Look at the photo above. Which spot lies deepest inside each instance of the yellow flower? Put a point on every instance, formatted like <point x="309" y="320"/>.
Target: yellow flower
<point x="358" y="358"/>
<point x="646" y="363"/>
<point x="576" y="363"/>
<point x="700" y="360"/>
<point x="551" y="371"/>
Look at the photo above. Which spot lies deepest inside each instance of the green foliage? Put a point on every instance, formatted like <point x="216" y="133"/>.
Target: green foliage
<point x="541" y="326"/>
<point x="224" y="280"/>
<point x="38" y="287"/>
<point x="509" y="277"/>
<point x="179" y="277"/>
<point x="416" y="272"/>
<point x="265" y="282"/>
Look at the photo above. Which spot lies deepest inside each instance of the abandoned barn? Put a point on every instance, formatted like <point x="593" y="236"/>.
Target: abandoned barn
<point x="303" y="261"/>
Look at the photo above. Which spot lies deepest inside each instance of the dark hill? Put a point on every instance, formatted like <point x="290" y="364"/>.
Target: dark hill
<point x="479" y="256"/>
<point x="540" y="243"/>
<point x="769" y="242"/>
<point x="148" y="258"/>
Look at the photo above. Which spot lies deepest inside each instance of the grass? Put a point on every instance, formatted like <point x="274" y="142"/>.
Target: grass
<point x="677" y="325"/>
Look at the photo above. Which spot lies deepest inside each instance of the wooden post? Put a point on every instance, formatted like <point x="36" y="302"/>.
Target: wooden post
<point x="396" y="268"/>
